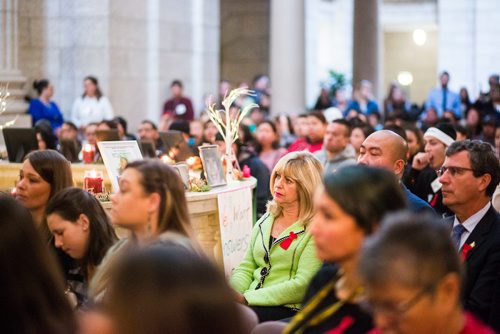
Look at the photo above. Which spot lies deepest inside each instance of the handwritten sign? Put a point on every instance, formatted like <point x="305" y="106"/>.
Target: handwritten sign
<point x="235" y="218"/>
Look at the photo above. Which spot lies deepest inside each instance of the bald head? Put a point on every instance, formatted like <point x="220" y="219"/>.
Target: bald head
<point x="384" y="149"/>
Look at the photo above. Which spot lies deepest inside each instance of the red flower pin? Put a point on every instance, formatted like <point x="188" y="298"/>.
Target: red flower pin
<point x="285" y="244"/>
<point x="465" y="250"/>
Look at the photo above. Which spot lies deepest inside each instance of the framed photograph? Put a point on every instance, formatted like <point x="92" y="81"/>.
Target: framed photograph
<point x="176" y="146"/>
<point x="19" y="142"/>
<point x="107" y="135"/>
<point x="116" y="155"/>
<point x="148" y="149"/>
<point x="183" y="170"/>
<point x="212" y="165"/>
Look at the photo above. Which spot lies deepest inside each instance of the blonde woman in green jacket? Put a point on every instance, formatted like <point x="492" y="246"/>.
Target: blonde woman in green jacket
<point x="281" y="257"/>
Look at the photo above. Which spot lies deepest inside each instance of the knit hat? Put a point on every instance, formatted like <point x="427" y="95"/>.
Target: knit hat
<point x="444" y="132"/>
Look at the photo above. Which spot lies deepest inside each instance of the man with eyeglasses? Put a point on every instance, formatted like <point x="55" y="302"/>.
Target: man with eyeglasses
<point x="470" y="175"/>
<point x="413" y="279"/>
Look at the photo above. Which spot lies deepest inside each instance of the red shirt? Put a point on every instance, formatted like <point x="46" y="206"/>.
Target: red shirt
<point x="180" y="108"/>
<point x="302" y="144"/>
<point x="474" y="326"/>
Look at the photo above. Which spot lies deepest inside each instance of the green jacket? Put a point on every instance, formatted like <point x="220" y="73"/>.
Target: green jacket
<point x="282" y="281"/>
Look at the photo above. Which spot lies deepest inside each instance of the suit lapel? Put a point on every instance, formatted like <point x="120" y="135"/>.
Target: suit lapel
<point x="480" y="232"/>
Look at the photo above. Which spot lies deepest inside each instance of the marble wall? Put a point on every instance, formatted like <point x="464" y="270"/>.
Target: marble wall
<point x="135" y="48"/>
<point x="245" y="39"/>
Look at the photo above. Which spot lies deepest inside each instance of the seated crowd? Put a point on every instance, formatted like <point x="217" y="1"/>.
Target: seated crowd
<point x="368" y="221"/>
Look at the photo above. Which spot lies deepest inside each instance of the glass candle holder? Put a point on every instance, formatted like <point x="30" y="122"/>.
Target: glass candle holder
<point x="88" y="153"/>
<point x="93" y="181"/>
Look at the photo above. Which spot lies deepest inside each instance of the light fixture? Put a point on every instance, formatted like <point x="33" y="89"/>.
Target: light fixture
<point x="405" y="78"/>
<point x="419" y="36"/>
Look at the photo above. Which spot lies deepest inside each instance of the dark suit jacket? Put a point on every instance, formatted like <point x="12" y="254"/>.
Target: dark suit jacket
<point x="482" y="269"/>
<point x="416" y="204"/>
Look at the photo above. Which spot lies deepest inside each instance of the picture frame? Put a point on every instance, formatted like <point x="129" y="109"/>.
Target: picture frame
<point x="147" y="148"/>
<point x="107" y="135"/>
<point x="212" y="165"/>
<point x="175" y="145"/>
<point x="19" y="142"/>
<point x="183" y="170"/>
<point x="116" y="155"/>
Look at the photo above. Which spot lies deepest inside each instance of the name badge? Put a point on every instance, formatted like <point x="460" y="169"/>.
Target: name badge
<point x="436" y="185"/>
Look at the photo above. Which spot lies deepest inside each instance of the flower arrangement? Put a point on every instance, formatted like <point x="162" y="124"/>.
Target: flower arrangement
<point x="198" y="185"/>
<point x="466" y="249"/>
<point x="4" y="95"/>
<point x="227" y="121"/>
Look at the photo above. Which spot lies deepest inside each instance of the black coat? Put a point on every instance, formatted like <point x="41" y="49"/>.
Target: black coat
<point x="482" y="265"/>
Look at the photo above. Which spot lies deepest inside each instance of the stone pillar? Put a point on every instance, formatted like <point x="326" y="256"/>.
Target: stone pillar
<point x="287" y="56"/>
<point x="366" y="34"/>
<point x="9" y="71"/>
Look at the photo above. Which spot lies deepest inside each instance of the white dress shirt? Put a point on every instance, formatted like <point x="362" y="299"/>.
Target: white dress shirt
<point x="91" y="110"/>
<point x="470" y="223"/>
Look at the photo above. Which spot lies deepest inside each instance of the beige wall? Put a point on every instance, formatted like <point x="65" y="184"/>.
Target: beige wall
<point x="402" y="54"/>
<point x="135" y="48"/>
<point x="244" y="39"/>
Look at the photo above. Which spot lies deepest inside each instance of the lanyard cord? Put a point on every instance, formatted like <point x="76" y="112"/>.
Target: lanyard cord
<point x="315" y="301"/>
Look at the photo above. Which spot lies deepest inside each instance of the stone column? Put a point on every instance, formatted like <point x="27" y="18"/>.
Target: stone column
<point x="366" y="39"/>
<point x="287" y="56"/>
<point x="9" y="71"/>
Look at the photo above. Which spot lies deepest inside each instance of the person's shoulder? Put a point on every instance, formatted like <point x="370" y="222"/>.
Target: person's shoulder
<point x="417" y="204"/>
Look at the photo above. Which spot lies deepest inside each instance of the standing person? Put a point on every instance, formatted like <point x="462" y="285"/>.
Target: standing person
<point x="422" y="178"/>
<point x="82" y="230"/>
<point x="32" y="289"/>
<point x="413" y="279"/>
<point x="363" y="102"/>
<point x="280" y="258"/>
<point x="442" y="99"/>
<point x="178" y="106"/>
<point x="43" y="108"/>
<point x="92" y="106"/>
<point x="337" y="151"/>
<point x="470" y="175"/>
<point x="156" y="193"/>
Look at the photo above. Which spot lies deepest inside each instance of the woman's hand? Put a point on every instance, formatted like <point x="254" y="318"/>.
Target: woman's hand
<point x="420" y="161"/>
<point x="240" y="298"/>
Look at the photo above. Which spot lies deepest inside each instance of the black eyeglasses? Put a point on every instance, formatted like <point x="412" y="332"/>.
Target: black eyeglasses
<point x="453" y="170"/>
<point x="395" y="311"/>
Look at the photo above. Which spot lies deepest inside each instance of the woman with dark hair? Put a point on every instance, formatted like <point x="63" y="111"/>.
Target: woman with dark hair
<point x="151" y="204"/>
<point x="177" y="291"/>
<point x="45" y="136"/>
<point x="43" y="107"/>
<point x="360" y="131"/>
<point x="348" y="209"/>
<point x="42" y="175"/>
<point x="82" y="230"/>
<point x="267" y="145"/>
<point x="92" y="106"/>
<point x="31" y="287"/>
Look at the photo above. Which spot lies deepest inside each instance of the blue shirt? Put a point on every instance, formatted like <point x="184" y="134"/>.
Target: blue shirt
<point x="435" y="100"/>
<point x="50" y="112"/>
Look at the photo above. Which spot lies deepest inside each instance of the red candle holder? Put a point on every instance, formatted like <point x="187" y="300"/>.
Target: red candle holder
<point x="93" y="181"/>
<point x="88" y="153"/>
